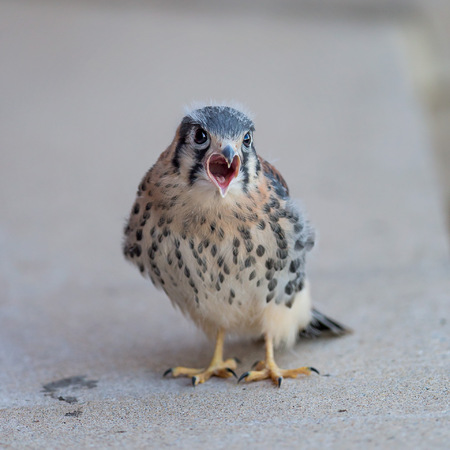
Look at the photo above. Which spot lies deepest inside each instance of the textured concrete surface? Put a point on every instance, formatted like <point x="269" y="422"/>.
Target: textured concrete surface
<point x="90" y="95"/>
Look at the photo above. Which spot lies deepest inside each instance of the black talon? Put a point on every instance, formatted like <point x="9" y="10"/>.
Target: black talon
<point x="231" y="371"/>
<point x="255" y="364"/>
<point x="194" y="379"/>
<point x="244" y="375"/>
<point x="238" y="361"/>
<point x="280" y="379"/>
<point x="314" y="370"/>
<point x="167" y="372"/>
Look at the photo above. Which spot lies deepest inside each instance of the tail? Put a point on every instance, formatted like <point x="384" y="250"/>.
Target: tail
<point x="323" y="325"/>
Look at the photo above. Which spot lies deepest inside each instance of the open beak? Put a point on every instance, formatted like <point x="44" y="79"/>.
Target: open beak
<point x="222" y="168"/>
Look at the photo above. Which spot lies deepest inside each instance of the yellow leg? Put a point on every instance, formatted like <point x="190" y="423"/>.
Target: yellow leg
<point x="218" y="367"/>
<point x="268" y="369"/>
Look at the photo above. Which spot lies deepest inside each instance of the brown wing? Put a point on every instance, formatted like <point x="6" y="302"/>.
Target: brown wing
<point x="275" y="178"/>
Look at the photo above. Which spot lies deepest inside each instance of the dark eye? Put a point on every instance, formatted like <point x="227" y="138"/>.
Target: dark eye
<point x="247" y="139"/>
<point x="200" y="136"/>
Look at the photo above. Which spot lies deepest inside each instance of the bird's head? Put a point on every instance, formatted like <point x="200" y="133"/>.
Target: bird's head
<point x="214" y="149"/>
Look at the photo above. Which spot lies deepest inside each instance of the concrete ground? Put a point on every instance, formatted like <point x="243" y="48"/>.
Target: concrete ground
<point x="90" y="95"/>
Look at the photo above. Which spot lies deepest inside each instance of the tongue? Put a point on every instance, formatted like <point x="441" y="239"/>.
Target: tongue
<point x="220" y="179"/>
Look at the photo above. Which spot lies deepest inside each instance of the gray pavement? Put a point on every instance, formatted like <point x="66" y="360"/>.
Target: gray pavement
<point x="90" y="95"/>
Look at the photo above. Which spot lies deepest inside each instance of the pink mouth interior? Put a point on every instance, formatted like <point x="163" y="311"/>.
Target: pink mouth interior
<point x="219" y="171"/>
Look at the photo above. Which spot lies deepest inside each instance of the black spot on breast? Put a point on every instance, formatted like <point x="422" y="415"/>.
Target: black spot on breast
<point x="220" y="261"/>
<point x="221" y="277"/>
<point x="156" y="270"/>
<point x="295" y="264"/>
<point x="290" y="302"/>
<point x="214" y="250"/>
<point x="249" y="261"/>
<point x="245" y="232"/>
<point x="236" y="242"/>
<point x="299" y="245"/>
<point x="266" y="208"/>
<point x="270" y="296"/>
<point x="309" y="243"/>
<point x="212" y="227"/>
<point x="252" y="275"/>
<point x="282" y="254"/>
<point x="282" y="243"/>
<point x="261" y="224"/>
<point x="270" y="274"/>
<point x="226" y="269"/>
<point x="137" y="250"/>
<point x="221" y="233"/>
<point x="139" y="234"/>
<point x="148" y="206"/>
<point x="277" y="230"/>
<point x="274" y="203"/>
<point x="289" y="288"/>
<point x="218" y="286"/>
<point x="178" y="254"/>
<point x="187" y="272"/>
<point x="136" y="208"/>
<point x="260" y="250"/>
<point x="200" y="247"/>
<point x="272" y="284"/>
<point x="269" y="263"/>
<point x="297" y="228"/>
<point x="239" y="216"/>
<point x="248" y="245"/>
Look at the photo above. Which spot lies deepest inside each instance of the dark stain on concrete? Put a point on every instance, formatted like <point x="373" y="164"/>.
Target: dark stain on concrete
<point x="76" y="413"/>
<point x="62" y="390"/>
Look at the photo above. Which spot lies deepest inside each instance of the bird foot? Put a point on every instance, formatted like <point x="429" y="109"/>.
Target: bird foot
<point x="264" y="371"/>
<point x="222" y="369"/>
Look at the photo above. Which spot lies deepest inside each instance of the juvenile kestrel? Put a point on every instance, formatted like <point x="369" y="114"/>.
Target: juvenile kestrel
<point x="213" y="225"/>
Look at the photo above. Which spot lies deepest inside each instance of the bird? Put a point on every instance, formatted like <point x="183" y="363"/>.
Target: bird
<point x="214" y="226"/>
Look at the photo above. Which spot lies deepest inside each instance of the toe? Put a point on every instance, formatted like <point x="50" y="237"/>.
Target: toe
<point x="243" y="376"/>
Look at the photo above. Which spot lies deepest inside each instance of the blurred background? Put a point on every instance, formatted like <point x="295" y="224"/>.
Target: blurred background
<point x="351" y="100"/>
